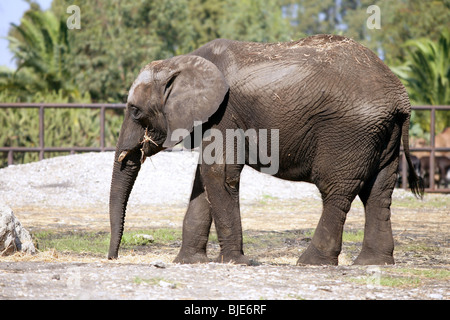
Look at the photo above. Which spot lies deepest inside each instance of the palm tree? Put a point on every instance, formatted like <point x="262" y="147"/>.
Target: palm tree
<point x="41" y="48"/>
<point x="426" y="73"/>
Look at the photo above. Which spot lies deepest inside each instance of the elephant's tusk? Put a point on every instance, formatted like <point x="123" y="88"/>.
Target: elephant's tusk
<point x="142" y="155"/>
<point x="122" y="156"/>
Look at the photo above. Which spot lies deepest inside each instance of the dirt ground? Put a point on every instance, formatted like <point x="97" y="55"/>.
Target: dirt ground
<point x="276" y="232"/>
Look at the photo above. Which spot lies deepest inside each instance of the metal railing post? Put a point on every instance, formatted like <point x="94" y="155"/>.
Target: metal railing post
<point x="102" y="128"/>
<point x="432" y="145"/>
<point x="10" y="157"/>
<point x="41" y="132"/>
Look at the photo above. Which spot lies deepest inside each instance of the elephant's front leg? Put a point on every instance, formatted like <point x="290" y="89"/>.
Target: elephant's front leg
<point x="196" y="225"/>
<point x="221" y="183"/>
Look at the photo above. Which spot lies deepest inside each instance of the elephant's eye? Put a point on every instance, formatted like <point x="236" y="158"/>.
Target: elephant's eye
<point x="135" y="112"/>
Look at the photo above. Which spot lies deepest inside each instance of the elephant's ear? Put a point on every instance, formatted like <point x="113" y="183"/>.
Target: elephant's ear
<point x="193" y="92"/>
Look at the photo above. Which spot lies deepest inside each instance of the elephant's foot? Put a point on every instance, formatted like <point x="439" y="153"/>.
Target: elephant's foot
<point x="313" y="256"/>
<point x="184" y="258"/>
<point x="373" y="258"/>
<point x="235" y="258"/>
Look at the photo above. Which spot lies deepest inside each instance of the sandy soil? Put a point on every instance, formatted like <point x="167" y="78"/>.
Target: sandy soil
<point x="421" y="237"/>
<point x="58" y="194"/>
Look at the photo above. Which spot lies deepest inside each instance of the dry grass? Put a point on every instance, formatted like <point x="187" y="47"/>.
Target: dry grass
<point x="419" y="223"/>
<point x="53" y="256"/>
<point x="96" y="219"/>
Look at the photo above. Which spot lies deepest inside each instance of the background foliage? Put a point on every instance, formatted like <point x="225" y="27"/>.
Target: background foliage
<point x="98" y="62"/>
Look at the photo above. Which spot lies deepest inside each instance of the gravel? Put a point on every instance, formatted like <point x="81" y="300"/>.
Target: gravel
<point x="84" y="180"/>
<point x="211" y="281"/>
<point x="166" y="178"/>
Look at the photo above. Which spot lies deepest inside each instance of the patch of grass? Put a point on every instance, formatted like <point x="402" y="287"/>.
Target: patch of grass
<point x="213" y="237"/>
<point x="83" y="242"/>
<point x="430" y="201"/>
<point x="419" y="248"/>
<point x="347" y="236"/>
<point x="388" y="281"/>
<point x="438" y="274"/>
<point x="403" y="277"/>
<point x="156" y="281"/>
<point x="353" y="236"/>
<point x="98" y="242"/>
<point x="152" y="281"/>
<point x="309" y="233"/>
<point x="162" y="235"/>
<point x="391" y="281"/>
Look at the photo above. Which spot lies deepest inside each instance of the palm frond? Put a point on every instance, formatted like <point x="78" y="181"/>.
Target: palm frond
<point x="40" y="45"/>
<point x="426" y="73"/>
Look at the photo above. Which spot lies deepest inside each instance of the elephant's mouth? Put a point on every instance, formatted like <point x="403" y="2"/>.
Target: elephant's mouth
<point x="148" y="148"/>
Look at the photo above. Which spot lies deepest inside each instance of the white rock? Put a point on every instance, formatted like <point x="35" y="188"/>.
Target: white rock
<point x="436" y="296"/>
<point x="165" y="284"/>
<point x="143" y="238"/>
<point x="13" y="237"/>
<point x="158" y="264"/>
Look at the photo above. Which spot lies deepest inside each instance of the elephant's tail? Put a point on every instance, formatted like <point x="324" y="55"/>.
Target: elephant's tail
<point x="415" y="182"/>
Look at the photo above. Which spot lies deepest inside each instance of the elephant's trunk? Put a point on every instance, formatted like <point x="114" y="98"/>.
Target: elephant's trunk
<point x="124" y="175"/>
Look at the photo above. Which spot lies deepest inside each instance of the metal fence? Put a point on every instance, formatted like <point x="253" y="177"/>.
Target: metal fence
<point x="41" y="149"/>
<point x="432" y="149"/>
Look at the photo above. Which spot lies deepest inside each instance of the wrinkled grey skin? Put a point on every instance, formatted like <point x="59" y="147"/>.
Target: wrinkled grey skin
<point x="341" y="115"/>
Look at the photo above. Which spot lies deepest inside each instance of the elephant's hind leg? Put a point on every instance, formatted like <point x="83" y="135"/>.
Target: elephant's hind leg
<point x="196" y="225"/>
<point x="326" y="244"/>
<point x="378" y="243"/>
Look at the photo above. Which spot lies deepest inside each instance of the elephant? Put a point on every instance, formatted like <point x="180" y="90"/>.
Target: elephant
<point x="340" y="116"/>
